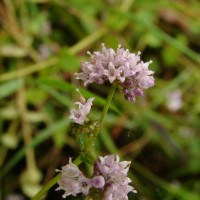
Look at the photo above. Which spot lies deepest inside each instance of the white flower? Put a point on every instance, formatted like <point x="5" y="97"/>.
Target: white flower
<point x="174" y="100"/>
<point x="80" y="116"/>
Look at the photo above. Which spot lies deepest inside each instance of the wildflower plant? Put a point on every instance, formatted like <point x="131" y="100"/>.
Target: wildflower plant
<point x="108" y="177"/>
<point x="122" y="66"/>
<point x="80" y="116"/>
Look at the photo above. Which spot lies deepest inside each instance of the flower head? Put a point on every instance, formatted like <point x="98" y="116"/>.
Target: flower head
<point x="73" y="181"/>
<point x="119" y="65"/>
<point x="115" y="175"/>
<point x="80" y="116"/>
<point x="109" y="178"/>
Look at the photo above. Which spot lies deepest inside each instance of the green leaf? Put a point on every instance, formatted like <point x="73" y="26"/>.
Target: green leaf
<point x="108" y="142"/>
<point x="12" y="50"/>
<point x="117" y="20"/>
<point x="10" y="87"/>
<point x="68" y="61"/>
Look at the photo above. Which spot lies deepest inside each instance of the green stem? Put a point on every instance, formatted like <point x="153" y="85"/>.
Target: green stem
<point x="108" y="102"/>
<point x="50" y="184"/>
<point x="53" y="181"/>
<point x="90" y="150"/>
<point x="105" y="109"/>
<point x="90" y="146"/>
<point x="78" y="160"/>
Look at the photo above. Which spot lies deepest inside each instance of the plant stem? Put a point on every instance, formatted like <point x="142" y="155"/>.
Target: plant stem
<point x="53" y="181"/>
<point x="105" y="109"/>
<point x="78" y="160"/>
<point x="90" y="146"/>
<point x="50" y="184"/>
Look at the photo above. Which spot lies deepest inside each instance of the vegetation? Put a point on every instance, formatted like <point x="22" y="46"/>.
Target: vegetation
<point x="42" y="43"/>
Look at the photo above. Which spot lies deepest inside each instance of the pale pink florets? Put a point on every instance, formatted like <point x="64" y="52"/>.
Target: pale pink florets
<point x="80" y="116"/>
<point x="115" y="175"/>
<point x="73" y="181"/>
<point x="110" y="178"/>
<point x="120" y="65"/>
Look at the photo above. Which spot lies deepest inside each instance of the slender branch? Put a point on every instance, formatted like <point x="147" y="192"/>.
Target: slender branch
<point x="50" y="184"/>
<point x="106" y="107"/>
<point x="53" y="181"/>
<point x="90" y="145"/>
<point x="78" y="160"/>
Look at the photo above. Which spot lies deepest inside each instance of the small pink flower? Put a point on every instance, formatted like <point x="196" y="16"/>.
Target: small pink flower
<point x="120" y="65"/>
<point x="80" y="116"/>
<point x="98" y="181"/>
<point x="73" y="181"/>
<point x="112" y="73"/>
<point x="69" y="180"/>
<point x="115" y="175"/>
<point x="110" y="178"/>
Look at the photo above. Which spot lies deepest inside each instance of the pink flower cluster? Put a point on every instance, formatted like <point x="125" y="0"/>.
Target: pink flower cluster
<point x="73" y="181"/>
<point x="121" y="65"/>
<point x="80" y="116"/>
<point x="110" y="177"/>
<point x="115" y="175"/>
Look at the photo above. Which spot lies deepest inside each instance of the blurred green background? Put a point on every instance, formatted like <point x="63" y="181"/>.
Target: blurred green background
<point x="42" y="43"/>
